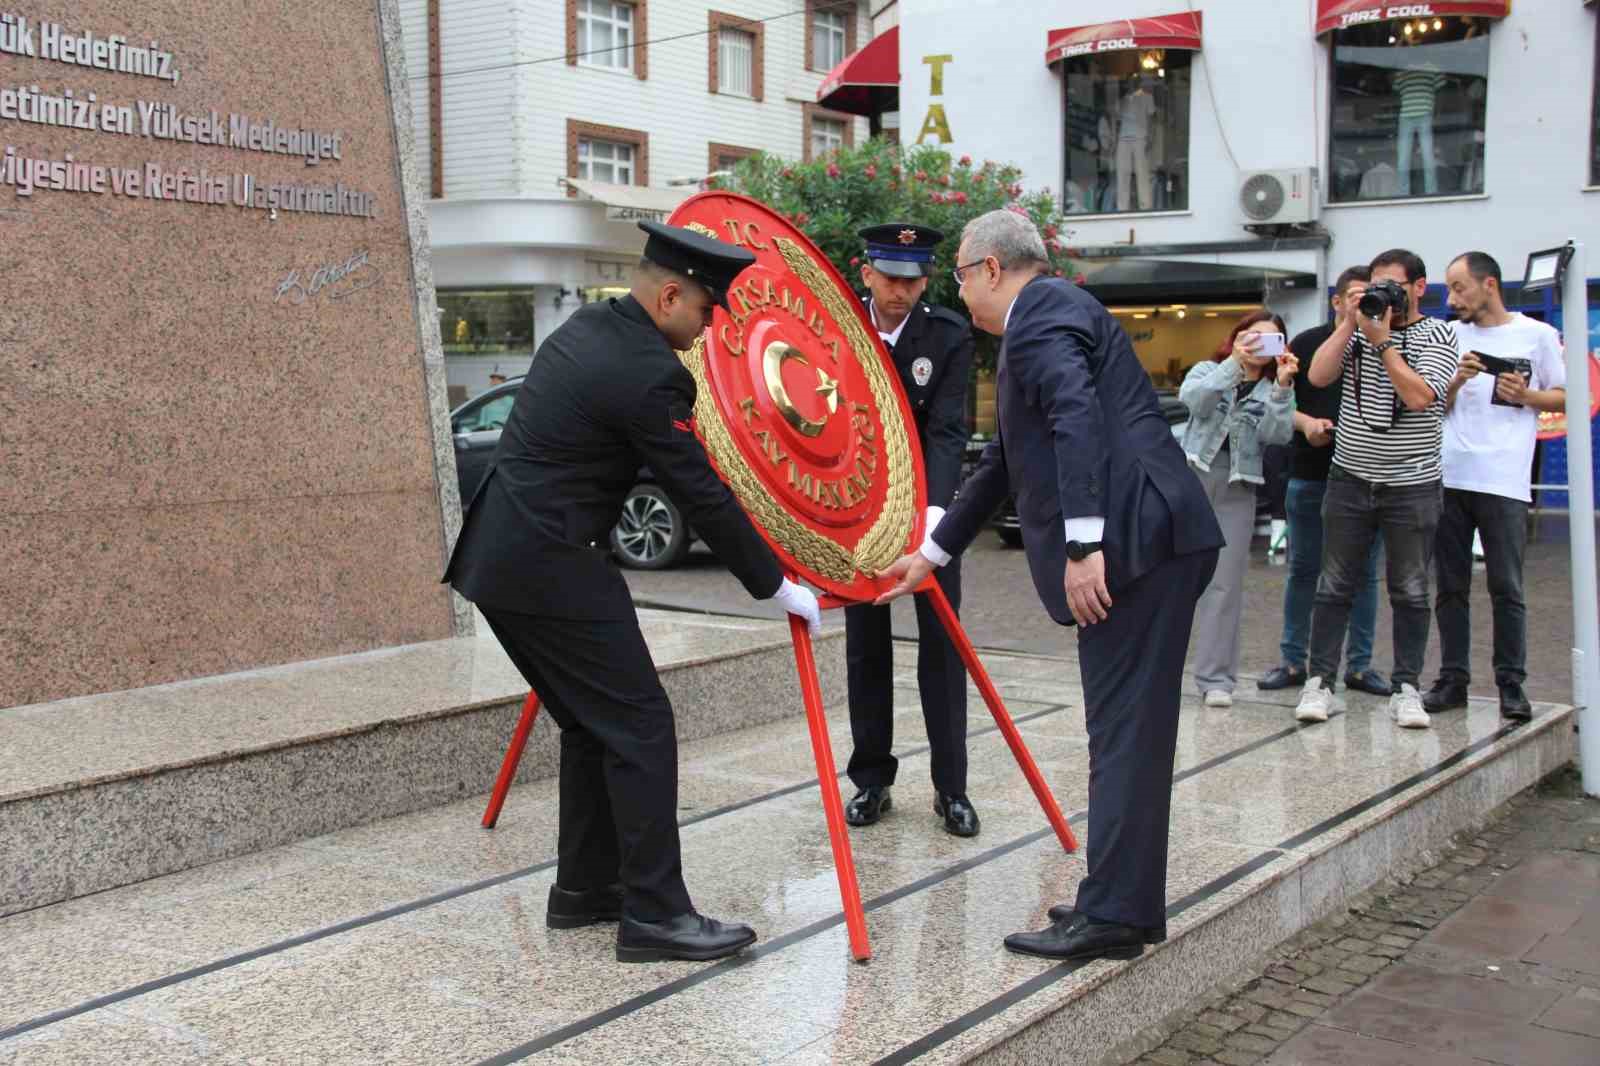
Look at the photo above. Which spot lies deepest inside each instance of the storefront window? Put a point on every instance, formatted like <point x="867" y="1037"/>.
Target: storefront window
<point x="1127" y="132"/>
<point x="1409" y="97"/>
<point x="486" y="323"/>
<point x="1594" y="113"/>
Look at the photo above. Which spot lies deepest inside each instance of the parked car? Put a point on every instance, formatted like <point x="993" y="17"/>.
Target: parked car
<point x="651" y="534"/>
<point x="1005" y="521"/>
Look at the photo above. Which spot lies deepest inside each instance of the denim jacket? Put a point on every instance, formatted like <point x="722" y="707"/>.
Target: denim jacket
<point x="1265" y="416"/>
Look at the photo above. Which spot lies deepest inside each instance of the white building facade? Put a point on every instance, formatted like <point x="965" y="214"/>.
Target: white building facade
<point x="1436" y="127"/>
<point x="552" y="126"/>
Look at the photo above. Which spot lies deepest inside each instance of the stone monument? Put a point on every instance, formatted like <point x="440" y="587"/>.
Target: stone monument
<point x="223" y="431"/>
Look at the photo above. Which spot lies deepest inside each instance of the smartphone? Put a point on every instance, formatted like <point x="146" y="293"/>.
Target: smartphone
<point x="1270" y="343"/>
<point x="1494" y="364"/>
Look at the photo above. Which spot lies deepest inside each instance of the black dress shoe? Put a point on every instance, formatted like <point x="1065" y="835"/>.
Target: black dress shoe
<point x="1080" y="939"/>
<point x="868" y="805"/>
<point x="688" y="936"/>
<point x="959" y="817"/>
<point x="573" y="910"/>
<point x="1444" y="696"/>
<point x="1282" y="677"/>
<point x="1153" y="934"/>
<point x="1370" y="682"/>
<point x="1514" y="703"/>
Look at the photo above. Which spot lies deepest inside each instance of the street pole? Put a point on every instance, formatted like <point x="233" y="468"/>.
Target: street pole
<point x="1580" y="503"/>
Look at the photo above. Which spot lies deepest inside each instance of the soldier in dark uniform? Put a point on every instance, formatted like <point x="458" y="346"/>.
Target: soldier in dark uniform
<point x="606" y="395"/>
<point x="932" y="349"/>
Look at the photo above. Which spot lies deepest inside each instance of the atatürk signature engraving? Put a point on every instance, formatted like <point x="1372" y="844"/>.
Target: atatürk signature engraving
<point x="337" y="280"/>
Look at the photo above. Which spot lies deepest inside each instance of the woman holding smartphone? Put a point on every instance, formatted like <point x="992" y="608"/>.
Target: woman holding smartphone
<point x="1239" y="402"/>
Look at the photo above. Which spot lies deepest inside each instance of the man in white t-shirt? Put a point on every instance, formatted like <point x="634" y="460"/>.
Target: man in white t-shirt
<point x="1490" y="427"/>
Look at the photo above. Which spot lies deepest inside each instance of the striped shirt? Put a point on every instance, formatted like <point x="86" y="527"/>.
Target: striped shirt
<point x="1417" y="89"/>
<point x="1374" y="442"/>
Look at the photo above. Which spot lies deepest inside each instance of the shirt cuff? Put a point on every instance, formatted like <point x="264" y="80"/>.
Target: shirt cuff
<point x="1085" y="530"/>
<point x="929" y="550"/>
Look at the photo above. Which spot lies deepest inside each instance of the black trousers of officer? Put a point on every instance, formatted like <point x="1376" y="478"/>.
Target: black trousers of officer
<point x="619" y="756"/>
<point x="941" y="681"/>
<point x="1132" y="670"/>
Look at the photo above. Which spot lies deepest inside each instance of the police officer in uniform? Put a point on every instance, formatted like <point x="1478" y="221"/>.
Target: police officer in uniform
<point x="932" y="350"/>
<point x="606" y="394"/>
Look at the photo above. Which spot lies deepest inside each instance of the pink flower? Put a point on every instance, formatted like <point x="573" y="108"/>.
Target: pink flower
<point x="1058" y="273"/>
<point x="801" y="219"/>
<point x="966" y="161"/>
<point x="788" y="172"/>
<point x="944" y="179"/>
<point x="978" y="180"/>
<point x="1050" y="232"/>
<point x="921" y="175"/>
<point x="895" y="171"/>
<point x="959" y="197"/>
<point x="935" y="198"/>
<point x="1078" y="279"/>
<point x="871" y="172"/>
<point x="833" y="170"/>
<point x="855" y="260"/>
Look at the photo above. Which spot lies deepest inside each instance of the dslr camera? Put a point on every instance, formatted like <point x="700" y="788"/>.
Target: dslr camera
<point x="1382" y="298"/>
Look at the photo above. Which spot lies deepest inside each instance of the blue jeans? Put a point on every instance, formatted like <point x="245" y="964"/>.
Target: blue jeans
<point x="1304" y="506"/>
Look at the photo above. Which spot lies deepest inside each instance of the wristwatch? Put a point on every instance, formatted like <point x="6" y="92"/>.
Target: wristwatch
<point x="1078" y="551"/>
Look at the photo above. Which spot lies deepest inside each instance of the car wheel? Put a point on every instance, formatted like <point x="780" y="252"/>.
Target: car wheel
<point x="1011" y="537"/>
<point x="651" y="534"/>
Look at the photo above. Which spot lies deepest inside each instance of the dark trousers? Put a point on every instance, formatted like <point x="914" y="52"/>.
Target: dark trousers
<point x="619" y="756"/>
<point x="1354" y="512"/>
<point x="941" y="681"/>
<point x="1503" y="523"/>
<point x="1132" y="669"/>
<point x="1300" y="588"/>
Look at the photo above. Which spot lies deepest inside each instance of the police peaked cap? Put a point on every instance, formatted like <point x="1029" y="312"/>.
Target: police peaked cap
<point x="901" y="249"/>
<point x="713" y="263"/>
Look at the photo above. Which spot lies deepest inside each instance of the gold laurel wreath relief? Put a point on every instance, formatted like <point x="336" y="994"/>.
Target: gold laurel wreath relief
<point x="882" y="543"/>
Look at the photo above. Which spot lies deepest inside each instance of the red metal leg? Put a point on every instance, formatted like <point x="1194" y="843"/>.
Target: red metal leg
<point x="1002" y="718"/>
<point x="855" y="919"/>
<point x="508" y="767"/>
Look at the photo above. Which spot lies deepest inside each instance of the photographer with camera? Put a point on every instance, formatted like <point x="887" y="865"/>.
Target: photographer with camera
<point x="1511" y="369"/>
<point x="1386" y="475"/>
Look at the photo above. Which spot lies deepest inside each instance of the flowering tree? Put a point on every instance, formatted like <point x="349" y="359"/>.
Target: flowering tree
<point x="831" y="199"/>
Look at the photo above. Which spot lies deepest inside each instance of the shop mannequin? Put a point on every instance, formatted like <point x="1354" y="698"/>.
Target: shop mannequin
<point x="1136" y="118"/>
<point x="1418" y="88"/>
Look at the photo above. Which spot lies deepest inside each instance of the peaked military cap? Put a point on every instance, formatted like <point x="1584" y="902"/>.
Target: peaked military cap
<point x="713" y="263"/>
<point x="901" y="249"/>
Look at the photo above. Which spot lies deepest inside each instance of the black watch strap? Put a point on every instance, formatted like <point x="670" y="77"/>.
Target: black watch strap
<point x="1078" y="550"/>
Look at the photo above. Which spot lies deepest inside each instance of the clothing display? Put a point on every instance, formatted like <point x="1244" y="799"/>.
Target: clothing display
<point x="1135" y="120"/>
<point x="1418" y="89"/>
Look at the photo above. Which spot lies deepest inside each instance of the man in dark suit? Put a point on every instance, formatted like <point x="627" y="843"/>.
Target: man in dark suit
<point x="932" y="350"/>
<point x="606" y="394"/>
<point x="1120" y="540"/>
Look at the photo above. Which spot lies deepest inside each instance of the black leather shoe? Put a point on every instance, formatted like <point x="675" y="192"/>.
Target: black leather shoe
<point x="868" y="805"/>
<point x="573" y="910"/>
<point x="1444" y="696"/>
<point x="688" y="936"/>
<point x="959" y="817"/>
<point x="1514" y="703"/>
<point x="1282" y="677"/>
<point x="1153" y="934"/>
<point x="1370" y="682"/>
<point x="1079" y="940"/>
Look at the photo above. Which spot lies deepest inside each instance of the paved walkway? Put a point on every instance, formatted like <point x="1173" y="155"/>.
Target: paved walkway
<point x="1492" y="956"/>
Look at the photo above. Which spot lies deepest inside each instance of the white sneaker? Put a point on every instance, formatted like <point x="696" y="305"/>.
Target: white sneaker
<point x="1279" y="537"/>
<point x="1316" y="702"/>
<point x="1405" y="707"/>
<point x="1219" y="698"/>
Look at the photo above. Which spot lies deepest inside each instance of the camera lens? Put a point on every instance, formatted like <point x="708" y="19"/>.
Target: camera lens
<point x="1372" y="304"/>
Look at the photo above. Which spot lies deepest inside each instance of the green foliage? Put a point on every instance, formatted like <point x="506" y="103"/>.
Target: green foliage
<point x="877" y="182"/>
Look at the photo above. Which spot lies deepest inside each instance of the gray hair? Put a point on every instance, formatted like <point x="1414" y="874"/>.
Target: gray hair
<point x="1009" y="236"/>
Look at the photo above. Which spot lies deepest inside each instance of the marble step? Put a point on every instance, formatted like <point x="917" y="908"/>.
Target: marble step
<point x="111" y="789"/>
<point x="421" y="938"/>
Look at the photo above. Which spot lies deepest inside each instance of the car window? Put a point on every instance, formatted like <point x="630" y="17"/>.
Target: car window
<point x="491" y="414"/>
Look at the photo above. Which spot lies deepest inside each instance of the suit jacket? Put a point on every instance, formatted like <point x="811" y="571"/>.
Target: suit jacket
<point x="1081" y="435"/>
<point x="939" y="405"/>
<point x="605" y="395"/>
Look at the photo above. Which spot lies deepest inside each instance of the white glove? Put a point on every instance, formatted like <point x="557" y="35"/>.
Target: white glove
<point x="799" y="600"/>
<point x="931" y="551"/>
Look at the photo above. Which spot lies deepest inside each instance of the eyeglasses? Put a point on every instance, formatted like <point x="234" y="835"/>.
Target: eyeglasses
<point x="964" y="267"/>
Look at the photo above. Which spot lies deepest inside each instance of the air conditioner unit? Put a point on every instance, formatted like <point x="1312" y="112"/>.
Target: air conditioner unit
<point x="1278" y="197"/>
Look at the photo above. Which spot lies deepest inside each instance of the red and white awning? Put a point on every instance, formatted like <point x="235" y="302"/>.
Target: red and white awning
<point x="867" y="81"/>
<point x="1339" y="14"/>
<point x="1180" y="31"/>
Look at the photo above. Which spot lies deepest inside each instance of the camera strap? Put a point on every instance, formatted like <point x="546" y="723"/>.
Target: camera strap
<point x="1355" y="371"/>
